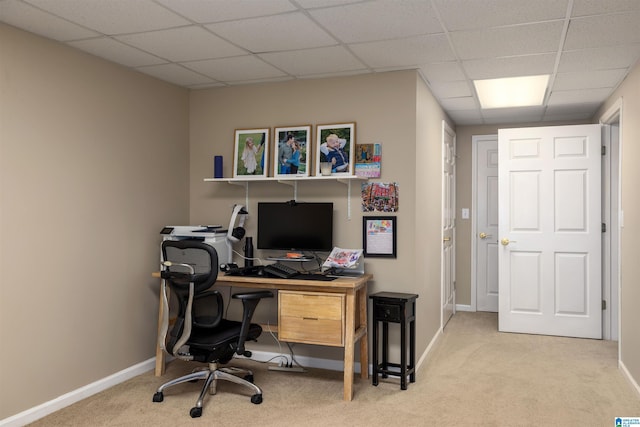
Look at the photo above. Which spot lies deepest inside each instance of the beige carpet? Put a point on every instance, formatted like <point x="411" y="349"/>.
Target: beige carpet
<point x="475" y="376"/>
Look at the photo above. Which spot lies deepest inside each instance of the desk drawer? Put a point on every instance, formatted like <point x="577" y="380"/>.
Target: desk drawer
<point x="311" y="317"/>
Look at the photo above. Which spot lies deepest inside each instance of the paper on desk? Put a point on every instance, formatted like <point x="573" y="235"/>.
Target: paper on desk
<point x="342" y="258"/>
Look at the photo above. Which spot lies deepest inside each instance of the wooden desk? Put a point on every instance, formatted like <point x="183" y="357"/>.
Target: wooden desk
<point x="350" y="297"/>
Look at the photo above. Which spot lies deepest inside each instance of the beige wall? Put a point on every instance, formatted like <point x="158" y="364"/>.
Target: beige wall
<point x="384" y="109"/>
<point x="629" y="91"/>
<point x="93" y="161"/>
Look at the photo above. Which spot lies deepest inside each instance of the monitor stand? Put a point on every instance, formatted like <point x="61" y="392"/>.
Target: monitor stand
<point x="292" y="256"/>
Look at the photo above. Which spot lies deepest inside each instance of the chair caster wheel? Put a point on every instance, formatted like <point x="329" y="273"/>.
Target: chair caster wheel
<point x="249" y="378"/>
<point x="256" y="398"/>
<point x="195" y="412"/>
<point x="158" y="397"/>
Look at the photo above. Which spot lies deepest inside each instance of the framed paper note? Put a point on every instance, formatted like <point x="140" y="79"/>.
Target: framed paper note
<point x="379" y="236"/>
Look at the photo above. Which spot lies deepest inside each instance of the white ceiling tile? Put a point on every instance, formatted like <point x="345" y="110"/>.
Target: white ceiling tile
<point x="27" y="17"/>
<point x="522" y="114"/>
<point x="451" y="89"/>
<point x="238" y="68"/>
<point x="466" y="103"/>
<point x="379" y="20"/>
<point x="443" y="71"/>
<point x="508" y="41"/>
<point x="589" y="109"/>
<point x="182" y="44"/>
<point x="567" y="117"/>
<point x="175" y="74"/>
<point x="603" y="30"/>
<point x="113" y="50"/>
<point x="589" y="79"/>
<point x="595" y="7"/>
<point x="274" y="33"/>
<point x="494" y="13"/>
<point x="514" y="66"/>
<point x="314" y="61"/>
<point x="113" y="16"/>
<point x="578" y="96"/>
<point x="208" y="11"/>
<point x="405" y="52"/>
<point x="465" y="117"/>
<point x="310" y="4"/>
<point x="600" y="58"/>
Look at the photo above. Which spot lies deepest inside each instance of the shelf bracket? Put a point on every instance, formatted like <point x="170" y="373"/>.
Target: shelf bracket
<point x="292" y="183"/>
<point x="244" y="184"/>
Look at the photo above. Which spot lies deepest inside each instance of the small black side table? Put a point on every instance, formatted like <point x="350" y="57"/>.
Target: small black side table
<point x="394" y="307"/>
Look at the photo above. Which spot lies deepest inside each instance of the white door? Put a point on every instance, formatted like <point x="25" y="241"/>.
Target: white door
<point x="448" y="222"/>
<point x="486" y="220"/>
<point x="550" y="231"/>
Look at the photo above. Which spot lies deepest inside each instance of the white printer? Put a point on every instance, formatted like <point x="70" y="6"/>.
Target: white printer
<point x="212" y="235"/>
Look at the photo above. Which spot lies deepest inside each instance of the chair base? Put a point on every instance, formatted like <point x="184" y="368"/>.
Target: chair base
<point x="211" y="377"/>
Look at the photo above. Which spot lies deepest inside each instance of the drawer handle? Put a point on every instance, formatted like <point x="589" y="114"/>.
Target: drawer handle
<point x="310" y="318"/>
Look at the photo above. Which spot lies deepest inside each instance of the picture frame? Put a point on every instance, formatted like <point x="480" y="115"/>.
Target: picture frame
<point x="379" y="236"/>
<point x="340" y="155"/>
<point x="251" y="153"/>
<point x="288" y="161"/>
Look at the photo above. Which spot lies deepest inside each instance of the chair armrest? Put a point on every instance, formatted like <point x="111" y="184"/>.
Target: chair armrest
<point x="250" y="301"/>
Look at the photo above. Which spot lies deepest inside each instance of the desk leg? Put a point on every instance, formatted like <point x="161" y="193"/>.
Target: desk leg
<point x="160" y="355"/>
<point x="349" y="345"/>
<point x="364" y="340"/>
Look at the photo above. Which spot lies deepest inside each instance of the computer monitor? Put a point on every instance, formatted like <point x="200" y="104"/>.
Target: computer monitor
<point x="294" y="226"/>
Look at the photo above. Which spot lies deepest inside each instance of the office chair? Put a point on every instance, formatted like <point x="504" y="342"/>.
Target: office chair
<point x="200" y="333"/>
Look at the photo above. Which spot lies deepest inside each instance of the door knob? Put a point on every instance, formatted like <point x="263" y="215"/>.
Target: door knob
<point x="484" y="235"/>
<point x="446" y="239"/>
<point x="506" y="241"/>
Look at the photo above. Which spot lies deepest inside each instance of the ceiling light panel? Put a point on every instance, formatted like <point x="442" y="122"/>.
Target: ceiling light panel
<point x="511" y="92"/>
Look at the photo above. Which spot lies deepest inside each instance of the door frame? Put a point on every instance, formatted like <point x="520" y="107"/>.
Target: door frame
<point x="474" y="210"/>
<point x="446" y="129"/>
<point x="612" y="216"/>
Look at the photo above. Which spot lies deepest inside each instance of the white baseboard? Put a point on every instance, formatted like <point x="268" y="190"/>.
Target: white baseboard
<point x="463" y="307"/>
<point x="627" y="375"/>
<point x="40" y="411"/>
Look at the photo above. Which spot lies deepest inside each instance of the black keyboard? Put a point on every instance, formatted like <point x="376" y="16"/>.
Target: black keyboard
<point x="280" y="270"/>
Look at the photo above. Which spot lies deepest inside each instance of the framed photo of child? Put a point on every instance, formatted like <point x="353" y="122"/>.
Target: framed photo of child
<point x="251" y="153"/>
<point x="335" y="149"/>
<point x="292" y="151"/>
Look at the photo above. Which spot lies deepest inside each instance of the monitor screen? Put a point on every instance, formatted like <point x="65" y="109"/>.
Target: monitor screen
<point x="295" y="226"/>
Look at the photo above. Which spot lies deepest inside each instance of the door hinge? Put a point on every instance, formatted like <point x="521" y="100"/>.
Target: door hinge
<point x="604" y="150"/>
<point x="604" y="304"/>
<point x="604" y="227"/>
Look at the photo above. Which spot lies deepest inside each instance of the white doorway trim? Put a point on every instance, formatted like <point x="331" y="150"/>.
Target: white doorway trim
<point x="613" y="214"/>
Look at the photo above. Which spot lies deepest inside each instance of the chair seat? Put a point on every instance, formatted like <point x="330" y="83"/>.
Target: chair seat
<point x="227" y="331"/>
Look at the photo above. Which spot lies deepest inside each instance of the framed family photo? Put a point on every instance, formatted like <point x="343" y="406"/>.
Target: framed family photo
<point x="292" y="149"/>
<point x="335" y="149"/>
<point x="250" y="153"/>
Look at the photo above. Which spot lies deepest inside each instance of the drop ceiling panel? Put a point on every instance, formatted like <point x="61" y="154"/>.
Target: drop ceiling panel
<point x="465" y="117"/>
<point x="238" y="68"/>
<point x="508" y="41"/>
<point x="600" y="58"/>
<point x="578" y="96"/>
<point x="465" y="103"/>
<point x="274" y="33"/>
<point x="182" y="44"/>
<point x="29" y="18"/>
<point x="603" y="30"/>
<point x="412" y="51"/>
<point x="443" y="71"/>
<point x="208" y="11"/>
<point x="379" y="20"/>
<point x="513" y="115"/>
<point x="595" y="7"/>
<point x="175" y="74"/>
<point x="514" y="66"/>
<point x="494" y="13"/>
<point x="113" y="16"/>
<point x="335" y="59"/>
<point x="115" y="51"/>
<point x="451" y="89"/>
<point x="588" y="79"/>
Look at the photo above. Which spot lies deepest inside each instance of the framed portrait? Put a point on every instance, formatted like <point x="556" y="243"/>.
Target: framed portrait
<point x="335" y="149"/>
<point x="250" y="153"/>
<point x="291" y="152"/>
<point x="379" y="236"/>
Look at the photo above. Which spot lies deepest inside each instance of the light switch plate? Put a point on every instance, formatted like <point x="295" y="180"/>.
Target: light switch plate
<point x="465" y="213"/>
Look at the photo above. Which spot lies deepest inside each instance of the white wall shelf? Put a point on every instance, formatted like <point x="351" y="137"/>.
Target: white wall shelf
<point x="244" y="182"/>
